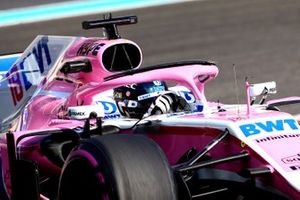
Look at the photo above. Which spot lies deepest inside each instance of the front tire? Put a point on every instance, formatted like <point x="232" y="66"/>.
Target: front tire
<point x="117" y="167"/>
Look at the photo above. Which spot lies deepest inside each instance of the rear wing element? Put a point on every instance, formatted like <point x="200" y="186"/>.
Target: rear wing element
<point x="22" y="79"/>
<point x="258" y="89"/>
<point x="261" y="89"/>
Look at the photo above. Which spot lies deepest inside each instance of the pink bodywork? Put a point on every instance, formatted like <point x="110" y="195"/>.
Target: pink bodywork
<point x="45" y="107"/>
<point x="177" y="133"/>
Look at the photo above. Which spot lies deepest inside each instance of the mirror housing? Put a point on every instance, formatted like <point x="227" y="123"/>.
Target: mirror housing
<point x="76" y="66"/>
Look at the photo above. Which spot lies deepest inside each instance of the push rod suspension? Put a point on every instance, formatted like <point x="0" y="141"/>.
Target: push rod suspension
<point x="207" y="148"/>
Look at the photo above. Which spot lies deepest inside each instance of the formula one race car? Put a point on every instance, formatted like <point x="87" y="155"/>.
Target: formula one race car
<point x="65" y="137"/>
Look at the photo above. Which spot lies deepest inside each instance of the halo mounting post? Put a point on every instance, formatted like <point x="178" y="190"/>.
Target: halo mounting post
<point x="110" y="24"/>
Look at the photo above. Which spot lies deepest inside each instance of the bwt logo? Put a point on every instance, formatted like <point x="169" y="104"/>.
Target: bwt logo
<point x="291" y="159"/>
<point x="295" y="167"/>
<point x="268" y="126"/>
<point x="19" y="78"/>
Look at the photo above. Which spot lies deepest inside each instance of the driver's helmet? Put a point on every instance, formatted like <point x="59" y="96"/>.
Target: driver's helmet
<point x="134" y="100"/>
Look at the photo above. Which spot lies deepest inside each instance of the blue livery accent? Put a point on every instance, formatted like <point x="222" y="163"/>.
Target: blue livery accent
<point x="38" y="54"/>
<point x="112" y="116"/>
<point x="110" y="110"/>
<point x="13" y="75"/>
<point x="188" y="96"/>
<point x="199" y="108"/>
<point x="109" y="107"/>
<point x="268" y="126"/>
<point x="7" y="61"/>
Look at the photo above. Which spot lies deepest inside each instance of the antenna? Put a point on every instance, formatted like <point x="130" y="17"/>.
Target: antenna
<point x="247" y="86"/>
<point x="236" y="89"/>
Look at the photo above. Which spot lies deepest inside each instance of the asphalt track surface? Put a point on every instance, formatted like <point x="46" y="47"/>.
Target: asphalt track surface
<point x="259" y="37"/>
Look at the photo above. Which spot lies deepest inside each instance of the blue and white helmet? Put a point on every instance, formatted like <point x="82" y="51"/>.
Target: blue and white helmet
<point x="134" y="100"/>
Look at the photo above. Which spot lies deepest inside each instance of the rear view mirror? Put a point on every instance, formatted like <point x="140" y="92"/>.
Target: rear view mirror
<point x="76" y="66"/>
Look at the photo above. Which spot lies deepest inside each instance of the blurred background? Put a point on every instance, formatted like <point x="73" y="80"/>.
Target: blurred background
<point x="259" y="37"/>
